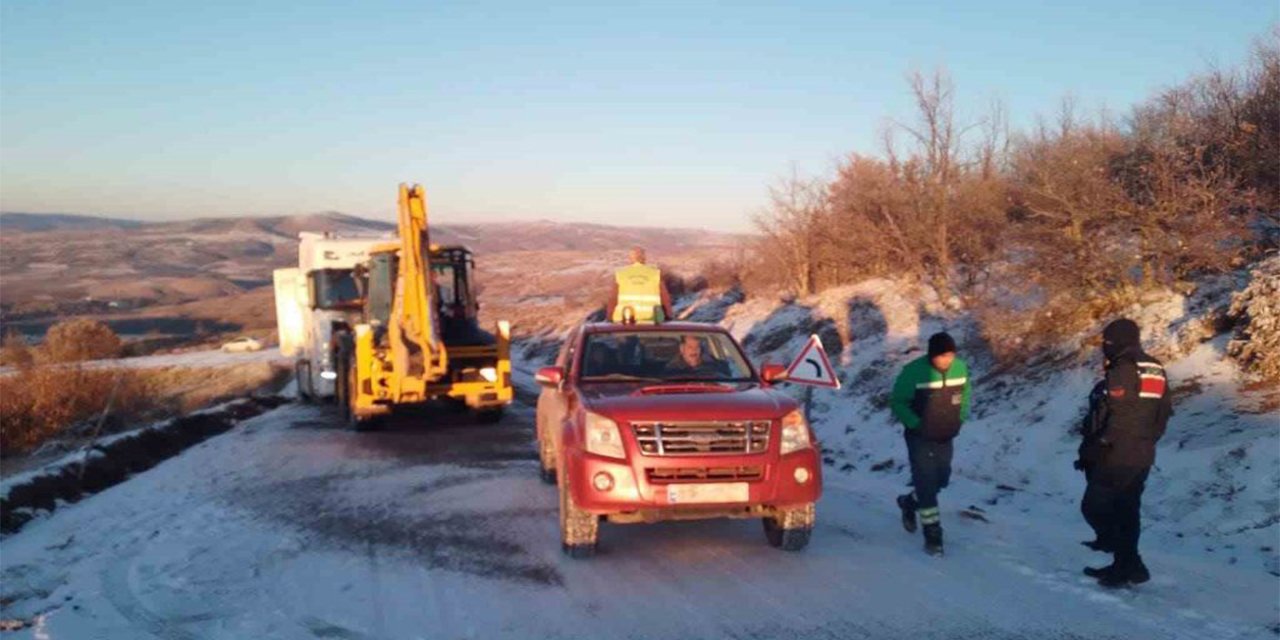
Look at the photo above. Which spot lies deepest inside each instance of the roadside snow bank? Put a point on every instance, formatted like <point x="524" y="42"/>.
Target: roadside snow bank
<point x="113" y="459"/>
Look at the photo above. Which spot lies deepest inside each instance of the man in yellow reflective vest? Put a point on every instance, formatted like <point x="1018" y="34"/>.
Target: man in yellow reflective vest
<point x="639" y="294"/>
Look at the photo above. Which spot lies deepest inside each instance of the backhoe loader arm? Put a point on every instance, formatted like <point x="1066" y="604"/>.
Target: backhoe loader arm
<point x="415" y="337"/>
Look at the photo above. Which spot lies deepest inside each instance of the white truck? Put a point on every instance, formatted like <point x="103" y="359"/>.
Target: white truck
<point x="313" y="300"/>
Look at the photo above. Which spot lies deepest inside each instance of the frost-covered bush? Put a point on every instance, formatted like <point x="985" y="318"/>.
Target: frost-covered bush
<point x="1256" y="310"/>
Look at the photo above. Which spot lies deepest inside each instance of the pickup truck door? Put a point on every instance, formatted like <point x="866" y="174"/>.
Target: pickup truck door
<point x="551" y="400"/>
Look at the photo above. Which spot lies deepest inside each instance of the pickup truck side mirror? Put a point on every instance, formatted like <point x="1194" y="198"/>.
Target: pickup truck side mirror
<point x="773" y="373"/>
<point x="550" y="376"/>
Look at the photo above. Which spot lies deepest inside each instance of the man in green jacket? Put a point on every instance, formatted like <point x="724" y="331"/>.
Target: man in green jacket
<point x="931" y="399"/>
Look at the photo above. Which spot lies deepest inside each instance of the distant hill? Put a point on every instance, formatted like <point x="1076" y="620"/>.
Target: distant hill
<point x="10" y="222"/>
<point x="492" y="237"/>
<point x="56" y="265"/>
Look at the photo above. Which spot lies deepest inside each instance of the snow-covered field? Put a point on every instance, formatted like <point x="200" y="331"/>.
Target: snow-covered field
<point x="290" y="527"/>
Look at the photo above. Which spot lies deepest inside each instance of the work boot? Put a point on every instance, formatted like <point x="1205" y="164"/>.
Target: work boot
<point x="933" y="539"/>
<point x="908" y="506"/>
<point x="1132" y="572"/>
<point x="1099" y="572"/>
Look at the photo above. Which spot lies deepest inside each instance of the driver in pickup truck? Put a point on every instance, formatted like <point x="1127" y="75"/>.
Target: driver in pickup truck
<point x="691" y="363"/>
<point x="639" y="287"/>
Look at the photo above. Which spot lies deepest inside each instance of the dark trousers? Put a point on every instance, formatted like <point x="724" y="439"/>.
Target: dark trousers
<point x="1112" y="505"/>
<point x="930" y="473"/>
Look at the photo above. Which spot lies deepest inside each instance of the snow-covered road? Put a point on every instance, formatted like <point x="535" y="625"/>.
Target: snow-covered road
<point x="291" y="527"/>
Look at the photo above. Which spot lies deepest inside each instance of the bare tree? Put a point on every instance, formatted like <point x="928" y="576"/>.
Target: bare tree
<point x="793" y="228"/>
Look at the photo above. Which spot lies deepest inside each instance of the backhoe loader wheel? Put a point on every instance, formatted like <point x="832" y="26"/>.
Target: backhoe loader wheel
<point x="489" y="416"/>
<point x="356" y="421"/>
<point x="579" y="529"/>
<point x="547" y="458"/>
<point x="790" y="529"/>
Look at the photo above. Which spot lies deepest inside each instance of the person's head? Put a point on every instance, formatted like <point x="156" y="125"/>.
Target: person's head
<point x="691" y="350"/>
<point x="637" y="255"/>
<point x="942" y="350"/>
<point x="1121" y="337"/>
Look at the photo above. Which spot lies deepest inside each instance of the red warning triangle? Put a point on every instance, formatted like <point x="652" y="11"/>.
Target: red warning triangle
<point x="812" y="366"/>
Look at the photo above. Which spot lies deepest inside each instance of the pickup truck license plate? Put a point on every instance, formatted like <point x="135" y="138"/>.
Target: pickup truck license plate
<point x="707" y="493"/>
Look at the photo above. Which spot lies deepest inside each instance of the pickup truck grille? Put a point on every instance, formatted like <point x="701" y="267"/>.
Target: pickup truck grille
<point x="705" y="474"/>
<point x="701" y="438"/>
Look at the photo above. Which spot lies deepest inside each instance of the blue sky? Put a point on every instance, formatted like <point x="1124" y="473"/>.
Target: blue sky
<point x="668" y="114"/>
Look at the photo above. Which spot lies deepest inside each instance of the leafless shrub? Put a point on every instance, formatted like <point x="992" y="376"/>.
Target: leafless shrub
<point x="15" y="352"/>
<point x="41" y="402"/>
<point x="78" y="340"/>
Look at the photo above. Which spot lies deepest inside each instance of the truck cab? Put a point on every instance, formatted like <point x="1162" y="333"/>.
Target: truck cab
<point x="314" y="302"/>
<point x="648" y="422"/>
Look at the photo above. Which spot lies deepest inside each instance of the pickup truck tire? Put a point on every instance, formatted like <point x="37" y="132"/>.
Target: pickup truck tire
<point x="579" y="529"/>
<point x="547" y="458"/>
<point x="790" y="529"/>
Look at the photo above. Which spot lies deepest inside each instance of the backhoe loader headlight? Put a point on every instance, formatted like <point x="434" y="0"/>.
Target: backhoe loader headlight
<point x="603" y="437"/>
<point x="489" y="374"/>
<point x="795" y="432"/>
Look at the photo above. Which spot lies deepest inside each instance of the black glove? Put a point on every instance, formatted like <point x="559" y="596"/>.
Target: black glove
<point x="1079" y="465"/>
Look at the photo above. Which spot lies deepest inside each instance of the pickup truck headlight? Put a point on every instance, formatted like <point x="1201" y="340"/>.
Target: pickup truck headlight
<point x="795" y="432"/>
<point x="603" y="437"/>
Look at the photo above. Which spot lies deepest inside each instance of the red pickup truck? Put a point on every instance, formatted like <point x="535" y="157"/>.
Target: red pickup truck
<point x="641" y="423"/>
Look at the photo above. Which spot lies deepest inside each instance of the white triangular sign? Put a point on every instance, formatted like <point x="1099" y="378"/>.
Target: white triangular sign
<point x="812" y="366"/>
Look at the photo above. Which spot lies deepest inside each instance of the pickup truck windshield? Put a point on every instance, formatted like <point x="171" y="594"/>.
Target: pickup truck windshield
<point x="652" y="356"/>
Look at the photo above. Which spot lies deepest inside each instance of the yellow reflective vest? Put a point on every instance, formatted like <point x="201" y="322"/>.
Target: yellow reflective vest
<point x="639" y="287"/>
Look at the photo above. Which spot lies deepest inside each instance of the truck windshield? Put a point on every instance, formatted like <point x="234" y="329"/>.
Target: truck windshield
<point x="660" y="356"/>
<point x="335" y="289"/>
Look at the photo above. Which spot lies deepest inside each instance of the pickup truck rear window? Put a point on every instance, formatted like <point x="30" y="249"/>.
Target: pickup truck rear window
<point x="663" y="356"/>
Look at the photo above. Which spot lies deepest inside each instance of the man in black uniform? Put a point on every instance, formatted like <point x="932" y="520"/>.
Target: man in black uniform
<point x="1128" y="412"/>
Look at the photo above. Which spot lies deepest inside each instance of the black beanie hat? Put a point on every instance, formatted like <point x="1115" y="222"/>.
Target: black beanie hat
<point x="1120" y="336"/>
<point x="940" y="343"/>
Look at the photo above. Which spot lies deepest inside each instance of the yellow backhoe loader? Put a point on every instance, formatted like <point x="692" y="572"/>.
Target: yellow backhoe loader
<point x="418" y="338"/>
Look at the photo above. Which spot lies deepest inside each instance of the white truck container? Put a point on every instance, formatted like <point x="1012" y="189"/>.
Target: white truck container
<point x="314" y="299"/>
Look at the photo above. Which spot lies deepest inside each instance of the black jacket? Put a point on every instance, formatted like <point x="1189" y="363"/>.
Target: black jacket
<point x="1128" y="413"/>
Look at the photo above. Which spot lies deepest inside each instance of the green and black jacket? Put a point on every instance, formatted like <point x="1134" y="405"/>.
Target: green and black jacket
<point x="929" y="402"/>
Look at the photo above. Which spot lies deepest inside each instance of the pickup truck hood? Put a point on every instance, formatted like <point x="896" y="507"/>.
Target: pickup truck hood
<point x="627" y="402"/>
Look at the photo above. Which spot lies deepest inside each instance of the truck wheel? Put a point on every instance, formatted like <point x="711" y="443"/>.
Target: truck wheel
<point x="546" y="456"/>
<point x="489" y="416"/>
<point x="790" y="529"/>
<point x="579" y="529"/>
<point x="304" y="394"/>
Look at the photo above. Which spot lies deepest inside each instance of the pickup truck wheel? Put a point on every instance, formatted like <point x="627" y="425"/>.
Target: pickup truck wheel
<point x="790" y="529"/>
<point x="548" y="462"/>
<point x="579" y="529"/>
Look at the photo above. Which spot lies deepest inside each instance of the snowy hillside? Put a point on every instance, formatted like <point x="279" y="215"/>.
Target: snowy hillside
<point x="1215" y="489"/>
